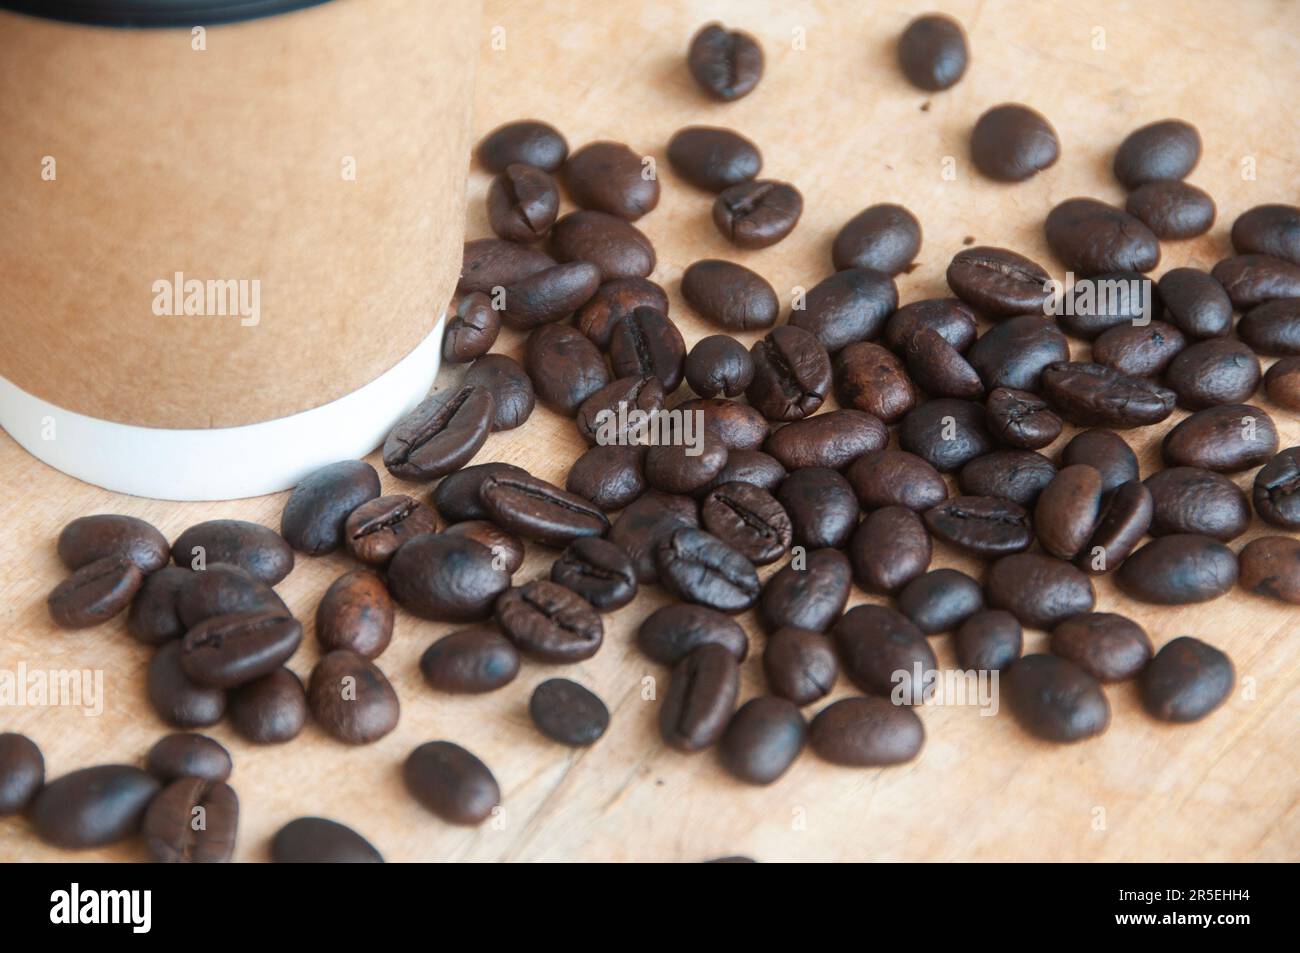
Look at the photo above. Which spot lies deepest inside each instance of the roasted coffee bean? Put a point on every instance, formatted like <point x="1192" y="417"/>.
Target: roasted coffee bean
<point x="269" y="710"/>
<point x="939" y="369"/>
<point x="1107" y="452"/>
<point x="700" y="698"/>
<point x="711" y="158"/>
<point x="735" y="425"/>
<point x="1196" y="302"/>
<point x="1015" y="353"/>
<point x="92" y="807"/>
<point x="355" y="613"/>
<point x="229" y="650"/>
<point x="1109" y="647"/>
<point x="896" y="478"/>
<point x="984" y="526"/>
<point x="610" y="476"/>
<point x="1217" y="371"/>
<point x="507" y="549"/>
<point x="1091" y="394"/>
<point x="1138" y="350"/>
<point x="834" y="439"/>
<point x="457" y="496"/>
<point x="566" y="712"/>
<point x="989" y="640"/>
<point x="684" y="467"/>
<point x="94" y="593"/>
<point x="757" y="214"/>
<point x="470" y="661"/>
<point x="223" y="589"/>
<point x="749" y="520"/>
<point x="884" y="238"/>
<point x="730" y="295"/>
<point x="320" y="504"/>
<point x="866" y="732"/>
<point x="1015" y="475"/>
<point x="1273" y="327"/>
<point x="549" y="622"/>
<point x="882" y="651"/>
<point x="1054" y="699"/>
<point x="1012" y="143"/>
<point x="564" y="366"/>
<point x="932" y="54"/>
<point x="1092" y="306"/>
<point x="1226" y="439"/>
<point x="748" y="466"/>
<point x="1276" y="492"/>
<point x="621" y="412"/>
<point x="1192" y="500"/>
<point x="1125" y="518"/>
<point x="22" y="772"/>
<point x="810" y="595"/>
<point x="451" y="782"/>
<point x="177" y="699"/>
<point x="172" y="830"/>
<point x="376" y="529"/>
<point x="1173" y="210"/>
<point x="1038" y="590"/>
<point x="1186" y="680"/>
<point x="889" y="549"/>
<point x="647" y="344"/>
<point x="510" y="387"/>
<point x="491" y="263"/>
<point x="607" y="177"/>
<point x="1020" y="419"/>
<point x="999" y="282"/>
<point x="1270" y="566"/>
<point x="1268" y="230"/>
<point x="1163" y="150"/>
<point x="528" y="141"/>
<point x="472" y="330"/>
<point x="445" y="578"/>
<point x="1282" y="383"/>
<point x="799" y="665"/>
<point x="871" y="379"/>
<point x="89" y="539"/>
<point x="615" y="299"/>
<point x="537" y="510"/>
<point x="1179" y="569"/>
<point x="315" y="840"/>
<point x="351" y="699"/>
<point x="951" y="317"/>
<point x="598" y="571"/>
<point x="1253" y="279"/>
<point x="522" y="203"/>
<point x="946" y="433"/>
<point x="1068" y="510"/>
<point x="726" y="64"/>
<point x="188" y="755"/>
<point x="822" y="508"/>
<point x="672" y="632"/>
<point x="550" y="295"/>
<point x="250" y="546"/>
<point x="762" y="739"/>
<point x="645" y="522"/>
<point x="1092" y="238"/>
<point x="698" y="567"/>
<point x="152" y="618"/>
<point x="940" y="600"/>
<point x="851" y="305"/>
<point x="719" y="364"/>
<point x="442" y="434"/>
<point x="614" y="245"/>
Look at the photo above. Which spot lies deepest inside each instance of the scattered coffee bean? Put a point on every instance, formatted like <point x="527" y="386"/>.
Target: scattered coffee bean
<point x="510" y="387"/>
<point x="315" y="840"/>
<point x="883" y="652"/>
<point x="932" y="54"/>
<point x="951" y="317"/>
<point x="1186" y="681"/>
<point x="1282" y="383"/>
<point x="564" y="366"/>
<point x="1273" y="327"/>
<point x="1226" y="439"/>
<point x="598" y="571"/>
<point x="188" y="755"/>
<point x="1196" y="302"/>
<point x="152" y="618"/>
<point x="749" y="520"/>
<point x="170" y="829"/>
<point x="537" y="510"/>
<point x="1109" y="647"/>
<point x="527" y="141"/>
<point x="507" y="549"/>
<point x="1020" y="419"/>
<point x="748" y="466"/>
<point x="984" y="526"/>
<point x="726" y="64"/>
<point x="1038" y="590"/>
<point x="645" y="522"/>
<point x="550" y="295"/>
<point x="269" y="710"/>
<point x="1253" y="279"/>
<point x="735" y="425"/>
<point x="619" y="249"/>
<point x="940" y="600"/>
<point x="1054" y="699"/>
<point x="94" y="593"/>
<point x="680" y="467"/>
<point x="614" y="300"/>
<point x="609" y="476"/>
<point x="799" y="665"/>
<point x="1163" y="150"/>
<point x="1012" y="143"/>
<point x="1138" y="350"/>
<point x="1015" y="352"/>
<point x="608" y="416"/>
<point x="1276" y="491"/>
<point x="1172" y="210"/>
<point x="762" y="739"/>
<point x="989" y="640"/>
<point x="223" y="590"/>
<point x="1192" y="500"/>
<point x="834" y="439"/>
<point x="470" y="661"/>
<point x="1272" y="230"/>
<point x="566" y="712"/>
<point x="313" y="517"/>
<point x="457" y="496"/>
<point x="889" y="549"/>
<point x="442" y="434"/>
<point x="250" y="546"/>
<point x="1096" y="304"/>
<point x="89" y="539"/>
<point x="1106" y="451"/>
<point x="451" y="782"/>
<point x="93" y="806"/>
<point x="939" y="369"/>
<point x="1091" y="394"/>
<point x="549" y="622"/>
<point x="1015" y="475"/>
<point x="377" y="529"/>
<point x="698" y="567"/>
<point x="850" y="306"/>
<point x="869" y="378"/>
<point x="351" y="699"/>
<point x="472" y="329"/>
<point x="355" y="613"/>
<point x="1179" y="569"/>
<point x="1125" y="518"/>
<point x="809" y="595"/>
<point x="711" y="158"/>
<point x="522" y="203"/>
<point x="229" y="650"/>
<point x="885" y="238"/>
<point x="700" y="698"/>
<point x="1068" y="510"/>
<point x="730" y="295"/>
<point x="672" y="632"/>
<point x="22" y="772"/>
<point x="792" y="374"/>
<point x="607" y="177"/>
<point x="896" y="478"/>
<point x="946" y="433"/>
<point x="1270" y="566"/>
<point x="757" y="214"/>
<point x="491" y="263"/>
<point x="998" y="282"/>
<point x="177" y="699"/>
<point x="647" y="344"/>
<point x="445" y="578"/>
<point x="719" y="364"/>
<point x="866" y="732"/>
<point x="1217" y="371"/>
<point x="822" y="508"/>
<point x="1091" y="238"/>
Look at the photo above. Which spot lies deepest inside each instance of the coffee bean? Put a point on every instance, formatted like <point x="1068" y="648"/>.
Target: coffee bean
<point x="491" y="263"/>
<point x="507" y="549"/>
<point x="1020" y="419"/>
<point x="94" y="593"/>
<point x="951" y="317"/>
<point x="1091" y="238"/>
<point x="314" y="515"/>
<point x="809" y="596"/>
<point x="1276" y="491"/>
<point x="1056" y="700"/>
<point x="989" y="640"/>
<point x="1102" y="302"/>
<point x="882" y="651"/>
<point x="188" y="755"/>
<point x="355" y="613"/>
<point x="851" y="305"/>
<point x="250" y="546"/>
<point x="1282" y="383"/>
<point x="549" y="295"/>
<point x="1015" y="475"/>
<point x="1011" y="143"/>
<point x="1253" y="279"/>
<point x="610" y="416"/>
<point x="1125" y="518"/>
<point x="315" y="840"/>
<point x="822" y="508"/>
<point x="834" y="439"/>
<point x="735" y="425"/>
<point x="1192" y="500"/>
<point x="1186" y="681"/>
<point x="896" y="478"/>
<point x="748" y="466"/>
<point x="1273" y="327"/>
<point x="799" y="664"/>
<point x="1270" y="566"/>
<point x="564" y="366"/>
<point x="527" y="141"/>
<point x="940" y="600"/>
<point x="598" y="571"/>
<point x="682" y="467"/>
<point x="1179" y="569"/>
<point x="885" y="238"/>
<point x="932" y="54"/>
<point x="522" y="203"/>
<point x="457" y="496"/>
<point x="607" y="177"/>
<point x="610" y="477"/>
<point x="614" y="245"/>
<point x="351" y="699"/>
<point x="999" y="282"/>
<point x="726" y="64"/>
<point x="445" y="578"/>
<point x="229" y="650"/>
<point x="614" y="300"/>
<point x="946" y="433"/>
<point x="472" y="329"/>
<point x="537" y="510"/>
<point x="177" y="699"/>
<point x="1016" y="352"/>
<point x="89" y="539"/>
<point x="152" y="618"/>
<point x="1038" y="590"/>
<point x="939" y="369"/>
<point x="866" y="732"/>
<point x="223" y="589"/>
<point x="549" y="622"/>
<point x="730" y="295"/>
<point x="566" y="712"/>
<point x="645" y="522"/>
<point x="1196" y="302"/>
<point x="984" y="526"/>
<point x="510" y="387"/>
<point x="1217" y="371"/>
<point x="269" y="710"/>
<point x="647" y="344"/>
<point x="1106" y="451"/>
<point x="698" y="567"/>
<point x="762" y="739"/>
<point x="93" y="806"/>
<point x="1173" y="210"/>
<point x="1138" y="351"/>
<point x="442" y="434"/>
<point x="1272" y="230"/>
<point x="22" y="772"/>
<point x="1068" y="510"/>
<point x="376" y="529"/>
<point x="1168" y="149"/>
<point x="700" y="698"/>
<point x="757" y="214"/>
<point x="792" y="374"/>
<point x="451" y="782"/>
<point x="1090" y="394"/>
<point x="889" y="549"/>
<point x="672" y="632"/>
<point x="870" y="379"/>
<point x="470" y="661"/>
<point x="1226" y="439"/>
<point x="719" y="364"/>
<point x="712" y="158"/>
<point x="192" y="821"/>
<point x="1109" y="647"/>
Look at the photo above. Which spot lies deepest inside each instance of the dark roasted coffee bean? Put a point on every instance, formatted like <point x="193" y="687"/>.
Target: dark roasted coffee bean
<point x="940" y="600"/>
<point x="1091" y="394"/>
<point x="1270" y="566"/>
<point x="269" y="710"/>
<point x="610" y="477"/>
<point x="749" y="520"/>
<point x="1272" y="327"/>
<point x="647" y="344"/>
<point x="1253" y="279"/>
<point x="822" y="508"/>
<point x="809" y="594"/>
<point x="883" y="652"/>
<point x="946" y="433"/>
<point x="1272" y="230"/>
<point x="896" y="478"/>
<point x="1015" y="352"/>
<point x="682" y="466"/>
<point x="999" y="282"/>
<point x="672" y="632"/>
<point x="889" y="549"/>
<point x="757" y="214"/>
<point x="885" y="238"/>
<point x="1106" y="451"/>
<point x="177" y="699"/>
<point x="228" y="650"/>
<point x="1097" y="304"/>
<point x="550" y="295"/>
<point x="522" y="203"/>
<point x="1056" y="700"/>
<point x="871" y="379"/>
<point x="851" y="305"/>
<point x="748" y="466"/>
<point x="1012" y="143"/>
<point x="1276" y="492"/>
<point x="314" y="515"/>
<point x="621" y="412"/>
<point x="526" y="140"/>
<point x="614" y="245"/>
<point x="22" y="772"/>
<point x="1173" y="210"/>
<point x="510" y="387"/>
<point x="451" y="782"/>
<point x="94" y="593"/>
<point x="1196" y="303"/>
<point x="951" y="317"/>
<point x="446" y="578"/>
<point x="1015" y="475"/>
<point x="457" y="497"/>
<point x="1109" y="647"/>
<point x="315" y="840"/>
<point x="564" y="366"/>
<point x="152" y="618"/>
<point x="507" y="549"/>
<point x="866" y="732"/>
<point x="351" y="699"/>
<point x="939" y="369"/>
<point x="645" y="522"/>
<point x="472" y="330"/>
<point x="1282" y="383"/>
<point x="719" y="364"/>
<point x="88" y="539"/>
<point x="491" y="263"/>
<point x="470" y="661"/>
<point x="932" y="54"/>
<point x="375" y="529"/>
<point x="730" y="295"/>
<point x="598" y="571"/>
<point x="762" y="739"/>
<point x="93" y="806"/>
<point x="1038" y="590"/>
<point x="1192" y="500"/>
<point x="1068" y="510"/>
<point x="1186" y="680"/>
<point x="1178" y="570"/>
<point x="698" y="567"/>
<point x="566" y="712"/>
<point x="737" y="426"/>
<point x="1168" y="149"/>
<point x="442" y="434"/>
<point x="615" y="299"/>
<point x="1217" y="371"/>
<point x="1226" y="439"/>
<point x="223" y="589"/>
<point x="250" y="546"/>
<point x="1092" y="238"/>
<point x="1020" y="419"/>
<point x="712" y="158"/>
<point x="799" y="665"/>
<point x="608" y="177"/>
<point x="984" y="526"/>
<point x="188" y="755"/>
<point x="1125" y="518"/>
<point x="192" y="821"/>
<point x="726" y="64"/>
<point x="355" y="613"/>
<point x="989" y="640"/>
<point x="549" y="622"/>
<point x="833" y="439"/>
<point x="1138" y="350"/>
<point x="700" y="698"/>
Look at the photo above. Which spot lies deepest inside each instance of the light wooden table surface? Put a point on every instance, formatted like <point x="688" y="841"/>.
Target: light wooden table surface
<point x="834" y="116"/>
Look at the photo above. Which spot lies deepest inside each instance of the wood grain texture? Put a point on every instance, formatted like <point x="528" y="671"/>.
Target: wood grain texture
<point x="838" y="120"/>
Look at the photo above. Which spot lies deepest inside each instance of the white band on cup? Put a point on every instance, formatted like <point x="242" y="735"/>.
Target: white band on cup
<point x="224" y="463"/>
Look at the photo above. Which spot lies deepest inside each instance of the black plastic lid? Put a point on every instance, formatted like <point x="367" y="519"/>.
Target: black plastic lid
<point x="155" y="13"/>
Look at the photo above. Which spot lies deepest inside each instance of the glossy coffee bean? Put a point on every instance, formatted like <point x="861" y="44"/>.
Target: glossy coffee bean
<point x="952" y="318"/>
<point x="984" y="526"/>
<point x="89" y="539"/>
<point x="598" y="571"/>
<point x="672" y="632"/>
<point x="1091" y="238"/>
<point x="510" y="386"/>
<point x="757" y="214"/>
<point x="451" y="782"/>
<point x="940" y="600"/>
<point x="506" y="548"/>
<point x="188" y="755"/>
<point x="726" y="64"/>
<point x="377" y="529"/>
<point x="610" y="477"/>
<point x="1226" y="439"/>
<point x="93" y="806"/>
<point x="1038" y="590"/>
<point x="1126" y="515"/>
<point x="808" y="595"/>
<point x="1282" y="383"/>
<point x="1054" y="699"/>
<point x="564" y="366"/>
<point x="1196" y="303"/>
<point x="1109" y="647"/>
<point x="1179" y="569"/>
<point x="683" y="467"/>
<point x="445" y="578"/>
<point x="792" y="374"/>
<point x="619" y="249"/>
<point x="1068" y="510"/>
<point x="1163" y="150"/>
<point x="1138" y="351"/>
<point x="833" y="439"/>
<point x="1276" y="491"/>
<point x="762" y="739"/>
<point x="1186" y="681"/>
<point x="1012" y="143"/>
<point x="989" y="640"/>
<point x="1015" y="352"/>
<point x="528" y="141"/>
<point x="998" y="282"/>
<point x="719" y="364"/>
<point x="712" y="158"/>
<point x="549" y="622"/>
<point x="932" y="53"/>
<point x="735" y="425"/>
<point x="822" y="508"/>
<point x="645" y="522"/>
<point x="1217" y="371"/>
<point x="1172" y="210"/>
<point x="939" y="369"/>
<point x="540" y="511"/>
<point x="1253" y="279"/>
<point x="313" y="517"/>
<point x="94" y="593"/>
<point x="609" y="416"/>
<point x="471" y="330"/>
<point x="491" y="263"/>
<point x="1273" y="327"/>
<point x="1270" y="566"/>
<point x="700" y="568"/>
<point x="522" y="203"/>
<point x="896" y="478"/>
<point x="730" y="295"/>
<point x="456" y="497"/>
<point x="881" y="651"/>
<point x="1107" y="452"/>
<point x="700" y="698"/>
<point x="229" y="650"/>
<point x="442" y="434"/>
<point x="885" y="238"/>
<point x="1020" y="419"/>
<point x="222" y="589"/>
<point x="566" y="712"/>
<point x="170" y="828"/>
<point x="889" y="549"/>
<point x="607" y="177"/>
<point x="178" y="700"/>
<point x="1192" y="500"/>
<point x="269" y="710"/>
<point x="470" y="661"/>
<point x="315" y="840"/>
<point x="355" y="613"/>
<point x="351" y="699"/>
<point x="749" y="520"/>
<point x="615" y="299"/>
<point x="1272" y="230"/>
<point x="849" y="306"/>
<point x="946" y="433"/>
<point x="866" y="732"/>
<point x="22" y="772"/>
<point x="800" y="665"/>
<point x="250" y="546"/>
<point x="152" y="618"/>
<point x="1015" y="475"/>
<point x="869" y="378"/>
<point x="1091" y="395"/>
<point x="1096" y="304"/>
<point x="749" y="466"/>
<point x="549" y="295"/>
<point x="647" y="344"/>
